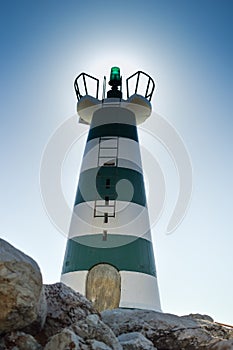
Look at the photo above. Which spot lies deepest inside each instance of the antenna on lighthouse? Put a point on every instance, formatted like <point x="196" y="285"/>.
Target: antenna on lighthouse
<point x="109" y="255"/>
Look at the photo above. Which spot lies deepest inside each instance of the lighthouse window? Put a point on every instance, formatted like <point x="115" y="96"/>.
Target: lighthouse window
<point x="107" y="184"/>
<point x="106" y="200"/>
<point x="105" y="218"/>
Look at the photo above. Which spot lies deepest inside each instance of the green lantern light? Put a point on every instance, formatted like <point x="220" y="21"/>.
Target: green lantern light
<point x="115" y="74"/>
<point x="115" y="83"/>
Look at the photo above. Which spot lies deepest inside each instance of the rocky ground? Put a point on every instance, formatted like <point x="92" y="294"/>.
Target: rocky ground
<point x="34" y="316"/>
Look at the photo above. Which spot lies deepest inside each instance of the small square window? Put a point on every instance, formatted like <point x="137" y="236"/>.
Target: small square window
<point x="105" y="218"/>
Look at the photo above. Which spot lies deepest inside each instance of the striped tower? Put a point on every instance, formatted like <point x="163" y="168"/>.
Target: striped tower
<point x="109" y="255"/>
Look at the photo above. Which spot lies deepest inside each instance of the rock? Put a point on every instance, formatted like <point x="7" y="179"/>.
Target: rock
<point x="223" y="345"/>
<point x="165" y="331"/>
<point x="19" y="341"/>
<point x="22" y="302"/>
<point x="73" y="323"/>
<point x="89" y="333"/>
<point x="135" y="341"/>
<point x="97" y="345"/>
<point x="93" y="328"/>
<point x="66" y="340"/>
<point x="65" y="307"/>
<point x="199" y="317"/>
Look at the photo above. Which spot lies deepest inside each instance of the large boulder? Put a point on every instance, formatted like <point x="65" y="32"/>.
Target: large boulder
<point x="87" y="334"/>
<point x="19" y="341"/>
<point x="166" y="331"/>
<point x="65" y="307"/>
<point x="22" y="301"/>
<point x="66" y="339"/>
<point x="93" y="329"/>
<point x="135" y="341"/>
<point x="98" y="345"/>
<point x="223" y="345"/>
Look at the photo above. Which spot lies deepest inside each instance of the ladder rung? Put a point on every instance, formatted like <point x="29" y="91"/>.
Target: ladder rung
<point x="104" y="206"/>
<point x="108" y="147"/>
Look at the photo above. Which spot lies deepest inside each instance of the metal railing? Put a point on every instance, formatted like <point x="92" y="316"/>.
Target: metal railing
<point x="149" y="88"/>
<point x="83" y="77"/>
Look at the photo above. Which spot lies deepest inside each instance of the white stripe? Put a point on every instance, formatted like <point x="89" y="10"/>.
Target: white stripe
<point x="131" y="219"/>
<point x="138" y="104"/>
<point x="109" y="115"/>
<point x="75" y="280"/>
<point x="128" y="155"/>
<point x="139" y="290"/>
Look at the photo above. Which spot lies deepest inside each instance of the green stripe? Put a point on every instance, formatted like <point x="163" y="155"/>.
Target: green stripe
<point x="115" y="129"/>
<point x="92" y="185"/>
<point x="135" y="256"/>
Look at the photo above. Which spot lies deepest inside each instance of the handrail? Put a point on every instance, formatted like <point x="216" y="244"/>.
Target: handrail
<point x="150" y="81"/>
<point x="76" y="86"/>
<point x="149" y="89"/>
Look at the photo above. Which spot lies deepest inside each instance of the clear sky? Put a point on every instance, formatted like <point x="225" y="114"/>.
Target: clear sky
<point x="186" y="46"/>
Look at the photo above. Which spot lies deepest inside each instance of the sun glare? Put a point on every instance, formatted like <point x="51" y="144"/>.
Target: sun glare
<point x="128" y="63"/>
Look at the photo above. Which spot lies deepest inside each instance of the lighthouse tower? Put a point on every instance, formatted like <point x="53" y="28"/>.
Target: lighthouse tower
<point x="109" y="255"/>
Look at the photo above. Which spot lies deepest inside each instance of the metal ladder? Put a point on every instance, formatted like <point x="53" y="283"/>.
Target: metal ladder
<point x="107" y="157"/>
<point x="108" y="151"/>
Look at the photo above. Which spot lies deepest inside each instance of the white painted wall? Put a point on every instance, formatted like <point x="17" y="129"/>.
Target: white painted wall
<point x="75" y="280"/>
<point x="128" y="155"/>
<point x="139" y="290"/>
<point x="131" y="219"/>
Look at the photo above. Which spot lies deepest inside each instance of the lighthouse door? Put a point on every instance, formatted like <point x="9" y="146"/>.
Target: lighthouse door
<point x="103" y="287"/>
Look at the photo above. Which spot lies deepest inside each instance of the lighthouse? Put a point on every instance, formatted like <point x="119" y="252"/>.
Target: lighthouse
<point x="109" y="255"/>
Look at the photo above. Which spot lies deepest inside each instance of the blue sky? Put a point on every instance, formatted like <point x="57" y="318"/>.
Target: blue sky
<point x="186" y="46"/>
